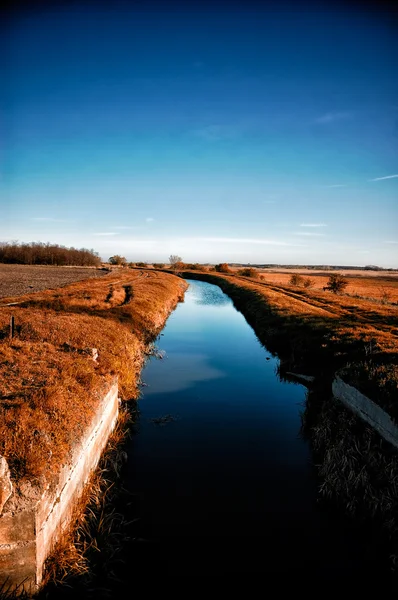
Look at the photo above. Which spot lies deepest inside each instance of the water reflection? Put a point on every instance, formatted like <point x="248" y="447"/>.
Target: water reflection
<point x="228" y="486"/>
<point x="208" y="295"/>
<point x="186" y="371"/>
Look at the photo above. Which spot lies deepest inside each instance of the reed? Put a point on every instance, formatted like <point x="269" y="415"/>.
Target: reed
<point x="357" y="470"/>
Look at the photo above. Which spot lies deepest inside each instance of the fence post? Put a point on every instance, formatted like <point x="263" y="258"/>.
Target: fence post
<point x="12" y="327"/>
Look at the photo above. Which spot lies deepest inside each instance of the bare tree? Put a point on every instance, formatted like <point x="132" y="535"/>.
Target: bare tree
<point x="174" y="259"/>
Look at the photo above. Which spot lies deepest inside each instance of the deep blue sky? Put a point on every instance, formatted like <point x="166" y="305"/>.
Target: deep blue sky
<point x="223" y="133"/>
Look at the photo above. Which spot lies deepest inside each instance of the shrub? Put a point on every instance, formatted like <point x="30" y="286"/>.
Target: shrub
<point x="178" y="266"/>
<point x="337" y="283"/>
<point x="385" y="295"/>
<point x="158" y="265"/>
<point x="118" y="260"/>
<point x="248" y="272"/>
<point x="296" y="279"/>
<point x="222" y="268"/>
<point x="142" y="265"/>
<point x="308" y="282"/>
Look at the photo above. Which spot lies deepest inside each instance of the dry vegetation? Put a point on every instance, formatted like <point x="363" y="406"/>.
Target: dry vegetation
<point x="39" y="253"/>
<point x="49" y="381"/>
<point x="380" y="285"/>
<point x="317" y="331"/>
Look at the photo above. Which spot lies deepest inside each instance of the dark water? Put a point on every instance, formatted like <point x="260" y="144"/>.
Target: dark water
<point x="227" y="486"/>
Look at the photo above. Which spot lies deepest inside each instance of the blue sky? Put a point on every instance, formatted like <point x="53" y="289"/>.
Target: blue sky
<point x="237" y="133"/>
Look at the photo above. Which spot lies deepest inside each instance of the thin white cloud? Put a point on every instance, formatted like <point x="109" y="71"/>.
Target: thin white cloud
<point x="309" y="233"/>
<point x="382" y="178"/>
<point x="332" y="116"/>
<point x="105" y="233"/>
<point x="221" y="240"/>
<point x="48" y="219"/>
<point x="133" y="244"/>
<point x="313" y="225"/>
<point x="124" y="227"/>
<point x="149" y="219"/>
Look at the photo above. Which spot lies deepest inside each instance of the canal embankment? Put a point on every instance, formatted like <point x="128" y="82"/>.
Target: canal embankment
<point x="73" y="354"/>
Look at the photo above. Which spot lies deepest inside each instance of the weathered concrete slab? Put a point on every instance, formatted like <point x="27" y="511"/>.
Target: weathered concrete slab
<point x="367" y="410"/>
<point x="30" y="528"/>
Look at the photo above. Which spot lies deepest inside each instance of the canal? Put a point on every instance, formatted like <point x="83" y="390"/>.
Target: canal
<point x="221" y="481"/>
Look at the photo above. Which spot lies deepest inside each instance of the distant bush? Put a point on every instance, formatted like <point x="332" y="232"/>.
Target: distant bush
<point x="308" y="282"/>
<point x="178" y="266"/>
<point x="337" y="283"/>
<point x="142" y="265"/>
<point x="175" y="261"/>
<point x="222" y="268"/>
<point x="117" y="260"/>
<point x="248" y="272"/>
<point x="296" y="279"/>
<point x="39" y="253"/>
<point x="193" y="267"/>
<point x="158" y="265"/>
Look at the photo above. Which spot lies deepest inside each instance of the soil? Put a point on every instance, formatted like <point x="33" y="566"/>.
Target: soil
<point x="16" y="280"/>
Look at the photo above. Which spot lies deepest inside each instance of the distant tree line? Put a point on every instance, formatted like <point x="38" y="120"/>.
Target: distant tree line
<point x="317" y="267"/>
<point x="39" y="253"/>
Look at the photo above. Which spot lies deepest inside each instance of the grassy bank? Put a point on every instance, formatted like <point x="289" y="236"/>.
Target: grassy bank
<point x="318" y="333"/>
<point x="357" y="471"/>
<point x="68" y="344"/>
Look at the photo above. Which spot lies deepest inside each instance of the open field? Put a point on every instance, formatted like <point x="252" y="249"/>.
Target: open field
<point x="69" y="342"/>
<point x="377" y="285"/>
<point x="16" y="280"/>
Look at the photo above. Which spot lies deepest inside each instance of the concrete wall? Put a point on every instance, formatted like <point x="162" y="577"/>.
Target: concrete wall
<point x="367" y="410"/>
<point x="30" y="528"/>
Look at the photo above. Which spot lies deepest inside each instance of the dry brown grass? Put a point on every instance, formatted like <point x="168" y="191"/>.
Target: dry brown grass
<point x="380" y="285"/>
<point x="49" y="382"/>
<point x="345" y="314"/>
